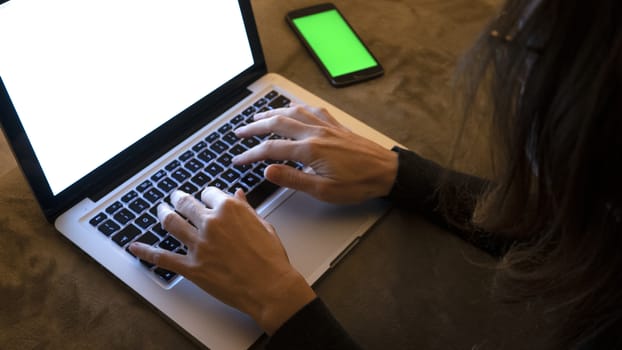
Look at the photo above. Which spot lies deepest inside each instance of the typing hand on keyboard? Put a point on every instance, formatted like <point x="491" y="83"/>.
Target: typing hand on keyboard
<point x="348" y="168"/>
<point x="232" y="254"/>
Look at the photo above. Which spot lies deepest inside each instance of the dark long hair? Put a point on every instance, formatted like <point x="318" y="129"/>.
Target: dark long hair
<point x="553" y="73"/>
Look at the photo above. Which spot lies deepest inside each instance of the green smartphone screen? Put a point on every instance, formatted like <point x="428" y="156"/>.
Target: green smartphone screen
<point x="334" y="43"/>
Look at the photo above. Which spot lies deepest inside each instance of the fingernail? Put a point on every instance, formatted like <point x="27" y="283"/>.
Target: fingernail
<point x="164" y="210"/>
<point x="133" y="246"/>
<point x="176" y="196"/>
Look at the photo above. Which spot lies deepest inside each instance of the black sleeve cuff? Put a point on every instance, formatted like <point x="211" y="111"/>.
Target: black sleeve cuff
<point x="312" y="327"/>
<point x="418" y="185"/>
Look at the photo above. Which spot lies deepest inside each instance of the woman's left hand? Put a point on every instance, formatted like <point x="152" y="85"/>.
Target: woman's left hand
<point x="232" y="254"/>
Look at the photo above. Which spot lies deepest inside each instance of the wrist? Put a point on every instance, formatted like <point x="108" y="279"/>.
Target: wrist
<point x="286" y="297"/>
<point x="389" y="173"/>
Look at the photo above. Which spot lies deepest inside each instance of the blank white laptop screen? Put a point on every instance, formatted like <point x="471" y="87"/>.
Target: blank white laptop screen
<point x="88" y="86"/>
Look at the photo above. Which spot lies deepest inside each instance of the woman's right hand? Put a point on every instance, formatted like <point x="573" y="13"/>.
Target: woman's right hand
<point x="347" y="168"/>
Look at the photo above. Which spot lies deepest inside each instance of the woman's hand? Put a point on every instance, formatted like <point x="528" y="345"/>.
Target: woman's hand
<point x="232" y="254"/>
<point x="348" y="168"/>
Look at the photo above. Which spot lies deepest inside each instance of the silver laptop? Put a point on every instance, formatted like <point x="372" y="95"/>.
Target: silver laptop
<point x="110" y="105"/>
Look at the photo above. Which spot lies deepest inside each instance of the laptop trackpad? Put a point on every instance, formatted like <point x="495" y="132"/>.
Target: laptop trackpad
<point x="315" y="233"/>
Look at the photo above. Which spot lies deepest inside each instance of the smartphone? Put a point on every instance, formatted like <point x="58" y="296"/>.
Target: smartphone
<point x="334" y="45"/>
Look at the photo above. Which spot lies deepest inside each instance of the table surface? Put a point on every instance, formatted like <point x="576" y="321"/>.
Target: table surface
<point x="408" y="284"/>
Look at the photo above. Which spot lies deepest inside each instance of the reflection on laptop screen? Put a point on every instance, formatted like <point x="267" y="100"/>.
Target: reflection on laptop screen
<point x="90" y="78"/>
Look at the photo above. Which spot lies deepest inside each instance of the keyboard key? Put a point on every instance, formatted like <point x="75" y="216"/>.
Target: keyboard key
<point x="129" y="196"/>
<point x="250" y="142"/>
<point x="180" y="175"/>
<point x="249" y="111"/>
<point x="145" y="220"/>
<point x="260" y="168"/>
<point x="218" y="147"/>
<point x="188" y="188"/>
<point x="159" y="230"/>
<point x="114" y="207"/>
<point x="199" y="146"/>
<point x="260" y="103"/>
<point x="148" y="238"/>
<point x="237" y="186"/>
<point x="165" y="274"/>
<point x="167" y="185"/>
<point x="169" y="243"/>
<point x="139" y="205"/>
<point x="214" y="169"/>
<point x="98" y="219"/>
<point x="230" y="138"/>
<point x="260" y="193"/>
<point x="206" y="156"/>
<point x="167" y="199"/>
<point x="272" y="94"/>
<point x="144" y="186"/>
<point x="225" y="159"/>
<point x="172" y="165"/>
<point x="194" y="165"/>
<point x="212" y="137"/>
<point x="108" y="227"/>
<point x="279" y="102"/>
<point x="237" y="149"/>
<point x="242" y="168"/>
<point x="158" y="176"/>
<point x="250" y="180"/>
<point x="126" y="235"/>
<point x="186" y="155"/>
<point x="153" y="195"/>
<point x="200" y="179"/>
<point x="154" y="211"/>
<point x="230" y="175"/>
<point x="124" y="216"/>
<point x="225" y="128"/>
<point x="237" y="119"/>
<point x="221" y="185"/>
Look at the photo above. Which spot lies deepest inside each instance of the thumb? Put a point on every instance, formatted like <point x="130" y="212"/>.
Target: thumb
<point x="289" y="177"/>
<point x="239" y="194"/>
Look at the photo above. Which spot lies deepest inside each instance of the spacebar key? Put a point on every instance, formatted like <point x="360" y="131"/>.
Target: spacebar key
<point x="260" y="193"/>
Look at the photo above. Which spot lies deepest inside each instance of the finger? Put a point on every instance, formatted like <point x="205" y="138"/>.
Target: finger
<point x="274" y="150"/>
<point x="189" y="207"/>
<point x="176" y="225"/>
<point x="289" y="177"/>
<point x="298" y="112"/>
<point x="213" y="197"/>
<point x="280" y="125"/>
<point x="239" y="194"/>
<point x="160" y="257"/>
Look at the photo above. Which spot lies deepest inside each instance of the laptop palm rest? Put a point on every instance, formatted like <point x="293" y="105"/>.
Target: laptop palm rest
<point x="315" y="233"/>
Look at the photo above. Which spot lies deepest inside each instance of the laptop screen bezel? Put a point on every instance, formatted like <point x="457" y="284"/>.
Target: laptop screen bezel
<point x="146" y="150"/>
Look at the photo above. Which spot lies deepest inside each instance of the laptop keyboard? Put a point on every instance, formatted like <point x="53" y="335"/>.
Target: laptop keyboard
<point x="133" y="217"/>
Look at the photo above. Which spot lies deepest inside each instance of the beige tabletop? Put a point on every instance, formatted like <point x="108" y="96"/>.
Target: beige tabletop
<point x="407" y="285"/>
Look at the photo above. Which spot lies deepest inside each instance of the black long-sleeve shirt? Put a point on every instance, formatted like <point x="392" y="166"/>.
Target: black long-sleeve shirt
<point x="314" y="327"/>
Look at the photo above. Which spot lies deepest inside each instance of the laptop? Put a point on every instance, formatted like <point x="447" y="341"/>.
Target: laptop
<point x="109" y="106"/>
